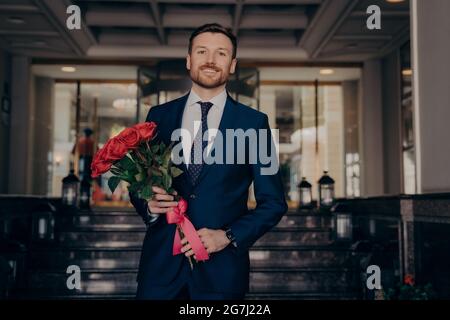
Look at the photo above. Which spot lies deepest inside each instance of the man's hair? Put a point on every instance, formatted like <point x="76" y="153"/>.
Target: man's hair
<point x="214" y="28"/>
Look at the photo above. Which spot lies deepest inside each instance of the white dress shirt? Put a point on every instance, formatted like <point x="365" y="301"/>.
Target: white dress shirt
<point x="192" y="115"/>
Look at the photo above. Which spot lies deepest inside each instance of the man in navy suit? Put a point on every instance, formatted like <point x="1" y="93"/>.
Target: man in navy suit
<point x="216" y="193"/>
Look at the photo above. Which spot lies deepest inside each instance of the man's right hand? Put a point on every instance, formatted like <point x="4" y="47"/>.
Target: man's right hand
<point x="161" y="202"/>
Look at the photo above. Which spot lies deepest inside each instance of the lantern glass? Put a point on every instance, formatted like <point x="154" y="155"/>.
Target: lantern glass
<point x="343" y="226"/>
<point x="305" y="193"/>
<point x="326" y="190"/>
<point x="13" y="266"/>
<point x="305" y="196"/>
<point x="326" y="194"/>
<point x="70" y="188"/>
<point x="43" y="224"/>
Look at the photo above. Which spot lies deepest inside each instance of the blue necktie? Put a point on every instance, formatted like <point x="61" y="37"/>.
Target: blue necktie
<point x="195" y="168"/>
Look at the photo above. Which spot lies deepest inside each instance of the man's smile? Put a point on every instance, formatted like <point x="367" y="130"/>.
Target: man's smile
<point x="209" y="71"/>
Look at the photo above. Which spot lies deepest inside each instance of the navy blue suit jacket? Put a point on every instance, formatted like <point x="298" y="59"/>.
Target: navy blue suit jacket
<point x="217" y="201"/>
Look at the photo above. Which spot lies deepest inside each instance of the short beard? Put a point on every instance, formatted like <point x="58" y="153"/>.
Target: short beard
<point x="197" y="80"/>
<point x="212" y="85"/>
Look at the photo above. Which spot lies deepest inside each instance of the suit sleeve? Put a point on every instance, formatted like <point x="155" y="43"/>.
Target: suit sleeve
<point x="269" y="194"/>
<point x="141" y="204"/>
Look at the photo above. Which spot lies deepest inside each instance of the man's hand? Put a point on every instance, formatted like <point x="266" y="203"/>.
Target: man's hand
<point x="213" y="240"/>
<point x="161" y="201"/>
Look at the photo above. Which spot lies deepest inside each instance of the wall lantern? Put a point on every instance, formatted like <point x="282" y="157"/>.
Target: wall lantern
<point x="70" y="187"/>
<point x="326" y="191"/>
<point x="305" y="194"/>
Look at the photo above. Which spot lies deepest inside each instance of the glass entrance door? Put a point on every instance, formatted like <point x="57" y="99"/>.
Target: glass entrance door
<point x="83" y="125"/>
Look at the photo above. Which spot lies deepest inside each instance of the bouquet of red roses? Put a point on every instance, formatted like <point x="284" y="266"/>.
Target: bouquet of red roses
<point x="133" y="156"/>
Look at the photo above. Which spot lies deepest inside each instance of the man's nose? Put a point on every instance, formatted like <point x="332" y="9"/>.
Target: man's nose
<point x="210" y="58"/>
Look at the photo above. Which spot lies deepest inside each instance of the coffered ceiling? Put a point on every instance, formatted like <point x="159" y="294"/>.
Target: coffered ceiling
<point x="299" y="30"/>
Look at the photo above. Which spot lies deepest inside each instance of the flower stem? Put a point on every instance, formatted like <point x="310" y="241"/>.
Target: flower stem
<point x="140" y="155"/>
<point x="181" y="237"/>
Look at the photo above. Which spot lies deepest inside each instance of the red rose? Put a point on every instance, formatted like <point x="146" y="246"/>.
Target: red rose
<point x="146" y="130"/>
<point x="130" y="137"/>
<point x="99" y="167"/>
<point x="115" y="149"/>
<point x="100" y="155"/>
<point x="409" y="280"/>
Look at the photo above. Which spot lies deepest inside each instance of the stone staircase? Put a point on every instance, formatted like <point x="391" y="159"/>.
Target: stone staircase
<point x="296" y="260"/>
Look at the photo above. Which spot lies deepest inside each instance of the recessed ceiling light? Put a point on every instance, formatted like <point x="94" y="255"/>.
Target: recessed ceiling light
<point x="68" y="69"/>
<point x="407" y="72"/>
<point x="394" y="1"/>
<point x="16" y="20"/>
<point x="326" y="71"/>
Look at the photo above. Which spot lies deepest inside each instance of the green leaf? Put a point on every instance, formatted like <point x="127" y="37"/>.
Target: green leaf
<point x="175" y="172"/>
<point x="139" y="167"/>
<point x="146" y="192"/>
<point x="139" y="177"/>
<point x="116" y="171"/>
<point x="158" y="159"/>
<point x="156" y="172"/>
<point x="132" y="188"/>
<point x="163" y="170"/>
<point x="127" y="163"/>
<point x="113" y="182"/>
<point x="157" y="181"/>
<point x="166" y="158"/>
<point x="162" y="146"/>
<point x="155" y="148"/>
<point x="167" y="181"/>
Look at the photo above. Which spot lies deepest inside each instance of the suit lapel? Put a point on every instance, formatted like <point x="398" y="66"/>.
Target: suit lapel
<point x="179" y="111"/>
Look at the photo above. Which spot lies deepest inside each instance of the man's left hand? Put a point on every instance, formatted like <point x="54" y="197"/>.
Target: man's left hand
<point x="213" y="240"/>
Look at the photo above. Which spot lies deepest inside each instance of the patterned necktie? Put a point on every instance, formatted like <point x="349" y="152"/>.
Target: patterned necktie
<point x="195" y="167"/>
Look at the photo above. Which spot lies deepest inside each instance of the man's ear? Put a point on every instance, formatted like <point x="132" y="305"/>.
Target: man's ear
<point x="188" y="62"/>
<point x="233" y="66"/>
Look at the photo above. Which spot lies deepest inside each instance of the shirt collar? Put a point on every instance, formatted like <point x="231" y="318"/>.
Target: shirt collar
<point x="218" y="100"/>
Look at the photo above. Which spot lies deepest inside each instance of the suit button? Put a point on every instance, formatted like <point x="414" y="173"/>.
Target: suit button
<point x="192" y="196"/>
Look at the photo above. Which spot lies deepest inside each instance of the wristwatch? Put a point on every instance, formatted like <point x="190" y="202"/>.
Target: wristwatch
<point x="231" y="237"/>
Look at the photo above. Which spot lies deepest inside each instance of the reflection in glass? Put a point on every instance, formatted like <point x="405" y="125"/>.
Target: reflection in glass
<point x="408" y="146"/>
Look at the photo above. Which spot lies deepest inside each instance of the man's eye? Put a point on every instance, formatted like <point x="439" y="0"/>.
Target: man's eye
<point x="222" y="54"/>
<point x="201" y="51"/>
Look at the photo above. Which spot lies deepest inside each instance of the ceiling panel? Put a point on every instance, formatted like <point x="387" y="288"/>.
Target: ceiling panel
<point x="111" y="28"/>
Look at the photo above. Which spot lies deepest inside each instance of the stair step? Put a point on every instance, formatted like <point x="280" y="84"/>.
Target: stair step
<point x="304" y="221"/>
<point x="123" y="281"/>
<point x="101" y="245"/>
<point x="119" y="227"/>
<point x="126" y="259"/>
<point x="106" y="258"/>
<point x="295" y="236"/>
<point x="98" y="235"/>
<point x="295" y="260"/>
<point x="249" y="296"/>
<point x="302" y="296"/>
<point x="90" y="220"/>
<point x="298" y="258"/>
<point x="300" y="280"/>
<point x="41" y="295"/>
<point x="93" y="281"/>
<point x="111" y="236"/>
